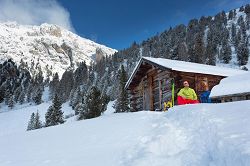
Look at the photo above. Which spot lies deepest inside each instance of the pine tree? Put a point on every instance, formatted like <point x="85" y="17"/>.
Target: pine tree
<point x="242" y="54"/>
<point x="17" y="93"/>
<point x="34" y="122"/>
<point x="54" y="85"/>
<point x="21" y="98"/>
<point x="226" y="53"/>
<point x="241" y="9"/>
<point x="37" y="96"/>
<point x="29" y="92"/>
<point x="76" y="97"/>
<point x="233" y="33"/>
<point x="79" y="110"/>
<point x="11" y="101"/>
<point x="198" y="49"/>
<point x="80" y="75"/>
<point x="48" y="71"/>
<point x="54" y="115"/>
<point x="230" y="15"/>
<point x="122" y="104"/>
<point x="2" y="92"/>
<point x="31" y="124"/>
<point x="247" y="9"/>
<point x="92" y="104"/>
<point x="182" y="52"/>
<point x="7" y="96"/>
<point x="238" y="38"/>
<point x="37" y="121"/>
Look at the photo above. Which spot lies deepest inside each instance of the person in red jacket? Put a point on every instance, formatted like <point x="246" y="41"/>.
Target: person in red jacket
<point x="186" y="95"/>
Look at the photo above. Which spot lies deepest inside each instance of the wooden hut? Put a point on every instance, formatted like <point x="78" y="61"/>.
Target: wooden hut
<point x="150" y="84"/>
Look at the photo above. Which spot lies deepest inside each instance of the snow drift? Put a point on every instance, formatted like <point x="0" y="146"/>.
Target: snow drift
<point x="203" y="134"/>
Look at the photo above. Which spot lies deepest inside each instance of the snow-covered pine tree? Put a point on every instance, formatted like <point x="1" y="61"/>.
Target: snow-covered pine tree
<point x="71" y="96"/>
<point x="242" y="29"/>
<point x="76" y="97"/>
<point x="17" y="93"/>
<point x="233" y="33"/>
<point x="31" y="123"/>
<point x="48" y="71"/>
<point x="2" y="92"/>
<point x="37" y="122"/>
<point x="7" y="96"/>
<point x="93" y="104"/>
<point x="79" y="110"/>
<point x="53" y="86"/>
<point x="21" y="98"/>
<point x="226" y="53"/>
<point x="242" y="53"/>
<point x="230" y="15"/>
<point x="198" y="56"/>
<point x="29" y="92"/>
<point x="54" y="115"/>
<point x="122" y="104"/>
<point x="37" y="95"/>
<point x="11" y="101"/>
<point x="80" y="75"/>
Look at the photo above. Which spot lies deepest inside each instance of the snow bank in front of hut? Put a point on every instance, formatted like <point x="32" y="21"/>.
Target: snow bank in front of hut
<point x="190" y="135"/>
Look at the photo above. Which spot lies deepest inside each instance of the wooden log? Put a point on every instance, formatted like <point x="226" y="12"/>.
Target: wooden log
<point x="160" y="94"/>
<point x="151" y="93"/>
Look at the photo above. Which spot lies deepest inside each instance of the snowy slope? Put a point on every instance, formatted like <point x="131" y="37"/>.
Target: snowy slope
<point x="47" y="44"/>
<point x="191" y="135"/>
<point x="15" y="120"/>
<point x="234" y="62"/>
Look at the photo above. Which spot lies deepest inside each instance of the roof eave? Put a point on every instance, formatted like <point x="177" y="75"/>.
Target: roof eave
<point x="133" y="73"/>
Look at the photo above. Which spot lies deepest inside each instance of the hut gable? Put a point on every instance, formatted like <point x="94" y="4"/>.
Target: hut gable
<point x="150" y="84"/>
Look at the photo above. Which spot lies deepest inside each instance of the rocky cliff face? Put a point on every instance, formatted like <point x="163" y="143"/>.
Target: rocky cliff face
<point x="47" y="46"/>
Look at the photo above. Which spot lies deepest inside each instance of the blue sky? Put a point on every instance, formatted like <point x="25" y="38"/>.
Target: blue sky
<point x="117" y="23"/>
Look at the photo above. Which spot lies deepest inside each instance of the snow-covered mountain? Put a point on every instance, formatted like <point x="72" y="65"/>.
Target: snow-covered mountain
<point x="47" y="45"/>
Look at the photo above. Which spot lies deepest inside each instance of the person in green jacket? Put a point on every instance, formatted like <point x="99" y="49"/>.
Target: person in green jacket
<point x="186" y="95"/>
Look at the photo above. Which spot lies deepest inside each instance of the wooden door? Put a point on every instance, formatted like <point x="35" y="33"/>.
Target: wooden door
<point x="146" y="99"/>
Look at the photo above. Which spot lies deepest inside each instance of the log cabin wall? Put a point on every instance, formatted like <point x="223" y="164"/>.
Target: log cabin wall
<point x="141" y="89"/>
<point x="153" y="89"/>
<point x="162" y="88"/>
<point x="137" y="86"/>
<point x="156" y="89"/>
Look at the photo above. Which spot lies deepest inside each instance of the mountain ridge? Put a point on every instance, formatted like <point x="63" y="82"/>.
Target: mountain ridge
<point x="47" y="44"/>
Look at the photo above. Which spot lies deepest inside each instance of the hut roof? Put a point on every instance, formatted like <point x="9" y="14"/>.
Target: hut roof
<point x="231" y="85"/>
<point x="183" y="66"/>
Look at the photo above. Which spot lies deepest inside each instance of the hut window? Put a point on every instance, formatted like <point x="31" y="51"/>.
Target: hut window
<point x="248" y="97"/>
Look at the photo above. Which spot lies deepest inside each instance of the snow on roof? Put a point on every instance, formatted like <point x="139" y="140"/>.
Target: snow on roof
<point x="187" y="67"/>
<point x="194" y="67"/>
<point x="232" y="85"/>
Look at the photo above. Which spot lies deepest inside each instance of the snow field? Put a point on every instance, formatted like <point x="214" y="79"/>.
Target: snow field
<point x="16" y="120"/>
<point x="190" y="135"/>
